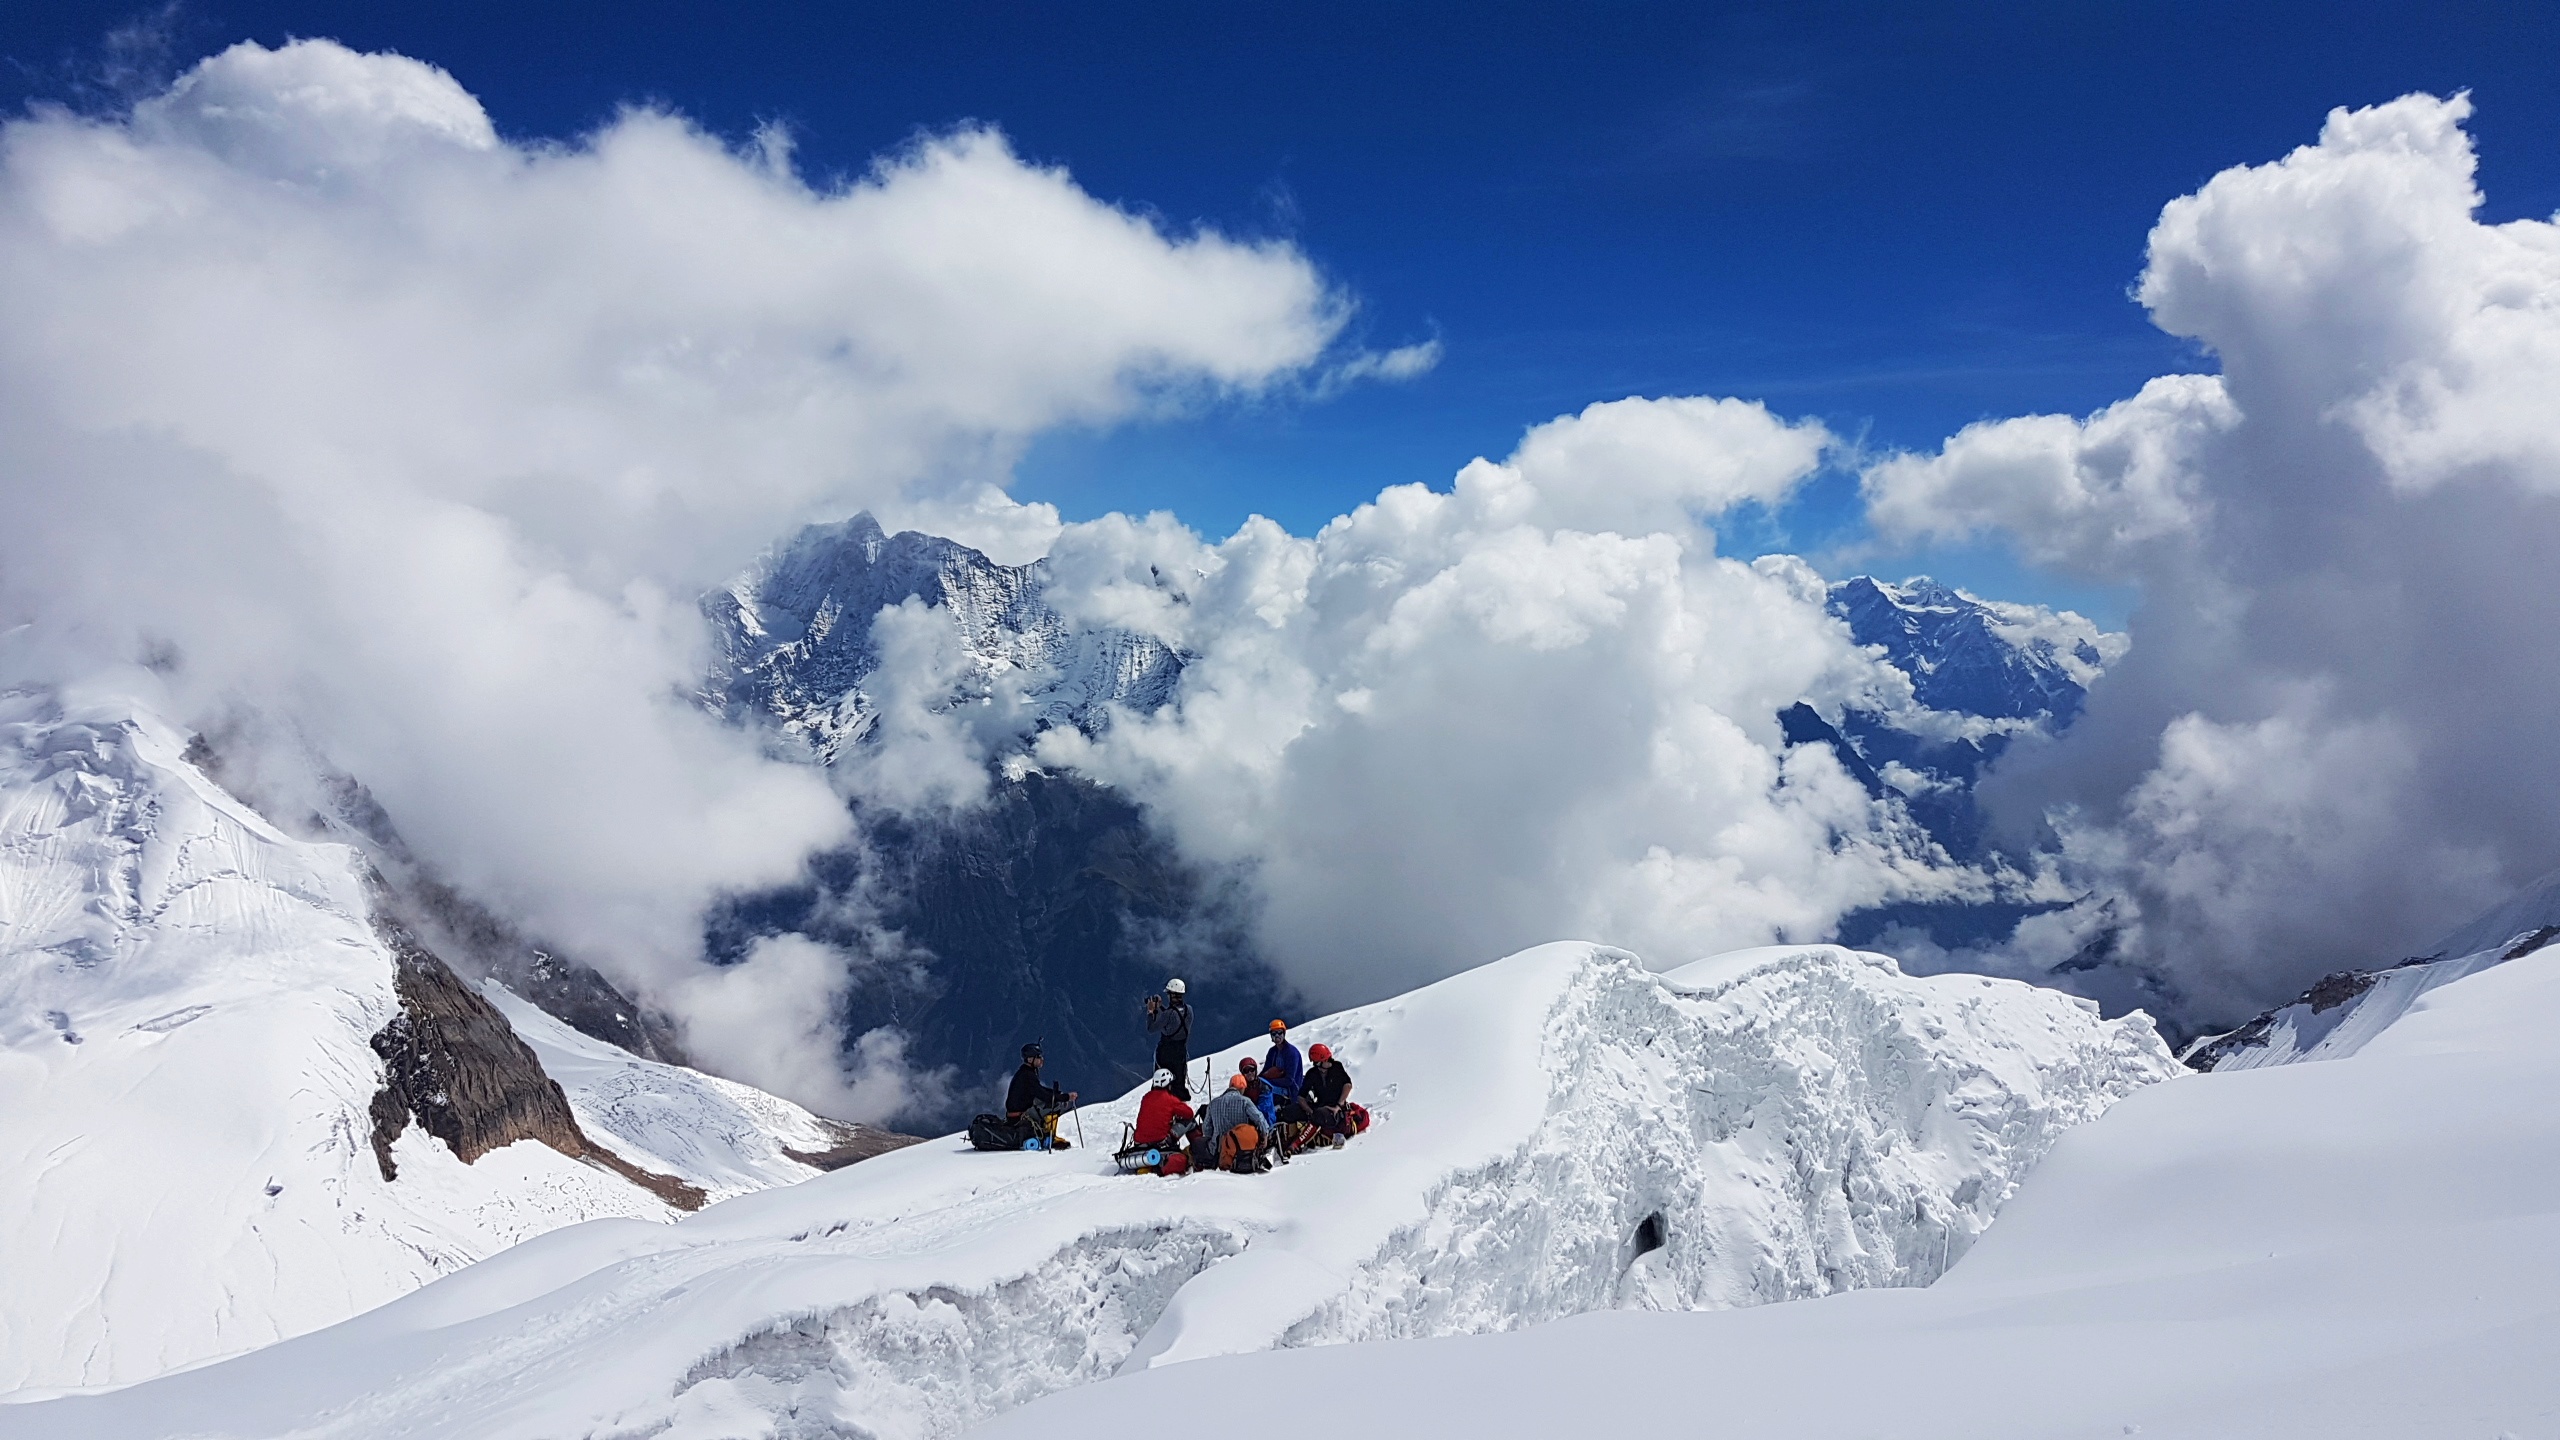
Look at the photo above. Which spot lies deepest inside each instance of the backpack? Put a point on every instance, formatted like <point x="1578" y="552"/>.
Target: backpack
<point x="990" y="1131"/>
<point x="1236" y="1149"/>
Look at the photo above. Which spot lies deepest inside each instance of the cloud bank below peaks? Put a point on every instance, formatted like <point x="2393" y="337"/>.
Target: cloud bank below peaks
<point x="1537" y="704"/>
<point x="2328" y="743"/>
<point x="330" y="399"/>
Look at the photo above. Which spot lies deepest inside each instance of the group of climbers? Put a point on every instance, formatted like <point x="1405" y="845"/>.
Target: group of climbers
<point x="1268" y="1111"/>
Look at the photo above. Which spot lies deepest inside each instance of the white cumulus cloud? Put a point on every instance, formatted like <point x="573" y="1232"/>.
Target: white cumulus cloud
<point x="327" y="399"/>
<point x="1537" y="704"/>
<point x="2325" y="747"/>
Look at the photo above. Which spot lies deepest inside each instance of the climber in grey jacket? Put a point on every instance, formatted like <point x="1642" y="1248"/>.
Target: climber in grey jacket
<point x="1233" y="1107"/>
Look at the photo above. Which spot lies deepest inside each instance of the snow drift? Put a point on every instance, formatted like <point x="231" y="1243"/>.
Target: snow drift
<point x="1785" y="1123"/>
<point x="193" y="1008"/>
<point x="2365" y="1248"/>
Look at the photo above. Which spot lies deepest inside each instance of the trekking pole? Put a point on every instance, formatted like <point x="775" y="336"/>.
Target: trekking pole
<point x="1079" y="1127"/>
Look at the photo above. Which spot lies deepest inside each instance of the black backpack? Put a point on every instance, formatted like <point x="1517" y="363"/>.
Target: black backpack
<point x="990" y="1131"/>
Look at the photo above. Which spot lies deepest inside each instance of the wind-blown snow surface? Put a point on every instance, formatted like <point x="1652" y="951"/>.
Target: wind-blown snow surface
<point x="1803" y="1121"/>
<point x="2369" y="1247"/>
<point x="186" y="997"/>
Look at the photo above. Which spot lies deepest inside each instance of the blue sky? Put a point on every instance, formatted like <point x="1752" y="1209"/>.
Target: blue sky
<point x="1897" y="218"/>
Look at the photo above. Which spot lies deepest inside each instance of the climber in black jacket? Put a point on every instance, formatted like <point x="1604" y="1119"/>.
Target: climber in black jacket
<point x="1033" y="1105"/>
<point x="1169" y="1020"/>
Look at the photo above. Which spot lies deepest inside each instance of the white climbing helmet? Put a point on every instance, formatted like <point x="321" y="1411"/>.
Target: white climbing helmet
<point x="1162" y="1080"/>
<point x="1174" y="986"/>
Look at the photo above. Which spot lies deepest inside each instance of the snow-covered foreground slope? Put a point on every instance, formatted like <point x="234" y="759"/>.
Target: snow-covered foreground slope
<point x="2364" y="1248"/>
<point x="1796" y="1122"/>
<point x="187" y="1003"/>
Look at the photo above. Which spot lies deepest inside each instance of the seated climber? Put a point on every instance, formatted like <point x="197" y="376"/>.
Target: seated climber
<point x="1237" y="1137"/>
<point x="1163" y="1121"/>
<point x="1260" y="1089"/>
<point x="1325" y="1100"/>
<point x="1034" y="1107"/>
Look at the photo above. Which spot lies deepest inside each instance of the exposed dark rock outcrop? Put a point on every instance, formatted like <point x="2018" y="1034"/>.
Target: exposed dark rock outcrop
<point x="452" y="1063"/>
<point x="488" y="947"/>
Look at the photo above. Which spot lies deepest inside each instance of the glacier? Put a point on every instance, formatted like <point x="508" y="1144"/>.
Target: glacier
<point x="1789" y="1123"/>
<point x="189" y="1000"/>
<point x="2357" y="1248"/>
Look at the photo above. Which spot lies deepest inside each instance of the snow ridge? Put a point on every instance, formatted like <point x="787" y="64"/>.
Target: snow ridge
<point x="1801" y="1120"/>
<point x="1818" y="1122"/>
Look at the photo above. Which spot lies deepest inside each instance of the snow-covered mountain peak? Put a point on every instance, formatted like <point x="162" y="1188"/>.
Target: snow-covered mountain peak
<point x="1979" y="657"/>
<point x="797" y="639"/>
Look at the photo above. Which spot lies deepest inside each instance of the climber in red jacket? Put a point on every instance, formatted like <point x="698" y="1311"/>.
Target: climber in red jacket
<point x="1160" y="1115"/>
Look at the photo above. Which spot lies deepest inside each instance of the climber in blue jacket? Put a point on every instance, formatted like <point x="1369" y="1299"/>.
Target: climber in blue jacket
<point x="1284" y="1070"/>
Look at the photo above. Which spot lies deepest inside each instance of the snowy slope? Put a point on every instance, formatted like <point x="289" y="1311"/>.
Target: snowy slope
<point x="2368" y="1248"/>
<point x="2338" y="1015"/>
<point x="187" y="1000"/>
<point x="723" y="1137"/>
<point x="1799" y="1122"/>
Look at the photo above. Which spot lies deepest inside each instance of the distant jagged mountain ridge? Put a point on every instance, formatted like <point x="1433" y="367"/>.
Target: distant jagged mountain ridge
<point x="1985" y="658"/>
<point x="796" y="641"/>
<point x="1983" y="672"/>
<point x="1046" y="912"/>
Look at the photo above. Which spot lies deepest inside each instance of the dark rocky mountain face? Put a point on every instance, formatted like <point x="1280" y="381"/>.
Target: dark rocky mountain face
<point x="2023" y="670"/>
<point x="1998" y="672"/>
<point x="453" y="1065"/>
<point x="1049" y="911"/>
<point x="1953" y="648"/>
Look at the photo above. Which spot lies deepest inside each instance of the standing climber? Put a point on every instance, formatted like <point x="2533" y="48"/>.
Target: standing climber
<point x="1237" y="1137"/>
<point x="1282" y="1069"/>
<point x="1032" y="1106"/>
<point x="1164" y="1119"/>
<point x="1169" y="1020"/>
